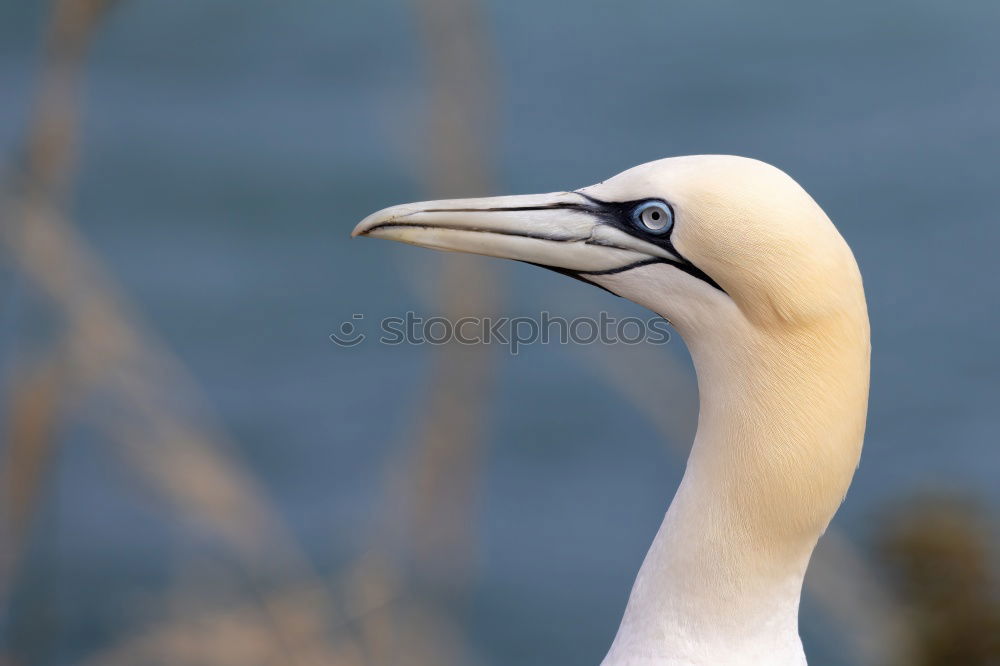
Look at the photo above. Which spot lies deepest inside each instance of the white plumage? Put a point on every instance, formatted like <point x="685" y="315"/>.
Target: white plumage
<point x="768" y="298"/>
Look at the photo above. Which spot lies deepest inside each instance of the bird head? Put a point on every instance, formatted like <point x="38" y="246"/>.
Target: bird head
<point x="699" y="239"/>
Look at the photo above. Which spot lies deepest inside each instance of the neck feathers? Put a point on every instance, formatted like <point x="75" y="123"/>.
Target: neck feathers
<point x="780" y="428"/>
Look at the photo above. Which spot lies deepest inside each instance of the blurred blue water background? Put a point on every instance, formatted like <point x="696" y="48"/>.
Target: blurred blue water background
<point x="229" y="146"/>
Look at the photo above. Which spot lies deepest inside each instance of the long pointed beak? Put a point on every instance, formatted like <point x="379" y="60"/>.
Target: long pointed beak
<point x="561" y="230"/>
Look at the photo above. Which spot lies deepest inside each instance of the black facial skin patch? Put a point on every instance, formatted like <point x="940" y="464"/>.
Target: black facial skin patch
<point x="619" y="214"/>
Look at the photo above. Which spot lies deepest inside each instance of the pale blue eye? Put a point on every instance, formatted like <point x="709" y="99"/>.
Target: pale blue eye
<point x="654" y="216"/>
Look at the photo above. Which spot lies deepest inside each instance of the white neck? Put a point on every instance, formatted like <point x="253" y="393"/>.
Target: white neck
<point x="779" y="435"/>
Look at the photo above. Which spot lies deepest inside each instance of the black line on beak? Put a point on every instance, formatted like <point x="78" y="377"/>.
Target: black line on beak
<point x="482" y="230"/>
<point x="570" y="273"/>
<point x="628" y="267"/>
<point x="560" y="205"/>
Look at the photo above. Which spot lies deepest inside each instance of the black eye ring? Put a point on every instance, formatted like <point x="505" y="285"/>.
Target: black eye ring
<point x="654" y="216"/>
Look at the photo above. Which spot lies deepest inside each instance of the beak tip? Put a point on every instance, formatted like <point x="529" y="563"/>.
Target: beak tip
<point x="365" y="226"/>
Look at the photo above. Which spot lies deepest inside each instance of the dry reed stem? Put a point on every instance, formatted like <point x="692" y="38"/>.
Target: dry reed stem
<point x="431" y="489"/>
<point x="236" y="635"/>
<point x="151" y="399"/>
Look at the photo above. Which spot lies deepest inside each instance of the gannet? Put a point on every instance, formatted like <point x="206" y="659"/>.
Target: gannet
<point x="768" y="298"/>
